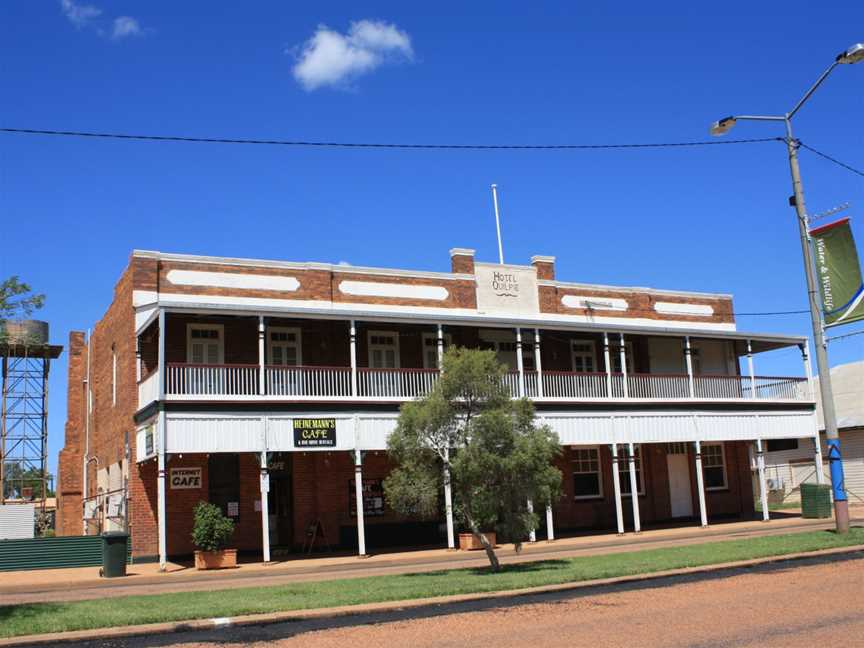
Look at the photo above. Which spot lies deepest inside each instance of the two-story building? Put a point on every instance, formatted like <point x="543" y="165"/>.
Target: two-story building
<point x="270" y="388"/>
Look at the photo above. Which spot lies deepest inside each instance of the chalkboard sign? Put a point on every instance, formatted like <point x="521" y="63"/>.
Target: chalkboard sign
<point x="315" y="433"/>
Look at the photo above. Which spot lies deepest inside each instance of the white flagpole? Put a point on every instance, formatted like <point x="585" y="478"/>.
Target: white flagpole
<point x="497" y="224"/>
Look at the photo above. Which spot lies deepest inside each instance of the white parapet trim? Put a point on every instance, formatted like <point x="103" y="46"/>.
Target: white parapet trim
<point x="400" y="291"/>
<point x="674" y="308"/>
<point x="238" y="280"/>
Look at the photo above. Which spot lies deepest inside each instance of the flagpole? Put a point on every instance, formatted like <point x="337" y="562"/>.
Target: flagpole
<point x="497" y="224"/>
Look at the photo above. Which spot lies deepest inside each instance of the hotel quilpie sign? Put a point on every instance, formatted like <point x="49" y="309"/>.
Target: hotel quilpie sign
<point x="506" y="289"/>
<point x="315" y="433"/>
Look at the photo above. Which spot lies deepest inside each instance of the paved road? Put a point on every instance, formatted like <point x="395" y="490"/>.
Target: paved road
<point x="806" y="603"/>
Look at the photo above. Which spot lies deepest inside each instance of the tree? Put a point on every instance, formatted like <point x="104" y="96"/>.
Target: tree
<point x="468" y="431"/>
<point x="16" y="300"/>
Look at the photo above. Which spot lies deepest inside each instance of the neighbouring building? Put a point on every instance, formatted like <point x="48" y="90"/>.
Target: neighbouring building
<point x="270" y="387"/>
<point x="789" y="462"/>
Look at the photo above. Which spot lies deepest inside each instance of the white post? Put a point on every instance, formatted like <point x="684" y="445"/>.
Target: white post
<point x="608" y="362"/>
<point x="498" y="224"/>
<point x="265" y="505"/>
<point x="448" y="501"/>
<point x="817" y="451"/>
<point x="261" y="355"/>
<point x="160" y="493"/>
<point x="160" y="360"/>
<point x="537" y="363"/>
<point x="622" y="351"/>
<point x="358" y="488"/>
<point x="763" y="489"/>
<point x="700" y="483"/>
<point x="550" y="527"/>
<point x="532" y="536"/>
<point x="817" y="441"/>
<point x="688" y="357"/>
<point x="353" y="342"/>
<point x="634" y="487"/>
<point x="750" y="370"/>
<point x="519" y="363"/>
<point x="616" y="482"/>
<point x="440" y="347"/>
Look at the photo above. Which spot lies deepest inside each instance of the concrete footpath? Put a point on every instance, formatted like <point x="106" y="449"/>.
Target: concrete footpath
<point x="85" y="583"/>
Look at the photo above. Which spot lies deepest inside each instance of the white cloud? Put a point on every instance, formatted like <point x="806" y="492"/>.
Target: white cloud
<point x="331" y="58"/>
<point x="125" y="26"/>
<point x="79" y="14"/>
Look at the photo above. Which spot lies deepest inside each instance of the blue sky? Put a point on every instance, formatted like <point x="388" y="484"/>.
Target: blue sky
<point x="707" y="219"/>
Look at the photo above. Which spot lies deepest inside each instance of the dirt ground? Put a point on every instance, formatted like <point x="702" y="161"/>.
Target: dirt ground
<point x="806" y="603"/>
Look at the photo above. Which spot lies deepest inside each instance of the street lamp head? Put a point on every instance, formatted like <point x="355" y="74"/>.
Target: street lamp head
<point x="854" y="54"/>
<point x="723" y="126"/>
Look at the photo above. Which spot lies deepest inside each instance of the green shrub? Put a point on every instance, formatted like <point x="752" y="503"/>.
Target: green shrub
<point x="212" y="529"/>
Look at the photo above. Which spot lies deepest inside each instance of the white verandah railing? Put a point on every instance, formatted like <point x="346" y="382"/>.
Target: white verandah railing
<point x="402" y="384"/>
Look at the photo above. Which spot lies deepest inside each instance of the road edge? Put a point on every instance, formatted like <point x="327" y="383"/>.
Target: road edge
<point x="268" y="618"/>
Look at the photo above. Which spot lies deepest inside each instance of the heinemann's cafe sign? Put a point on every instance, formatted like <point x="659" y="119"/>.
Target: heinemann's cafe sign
<point x="839" y="273"/>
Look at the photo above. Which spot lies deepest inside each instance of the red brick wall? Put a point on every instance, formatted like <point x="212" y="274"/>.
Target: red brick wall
<point x="70" y="463"/>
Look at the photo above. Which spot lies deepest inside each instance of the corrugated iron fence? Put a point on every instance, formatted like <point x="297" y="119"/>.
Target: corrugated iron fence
<point x="53" y="553"/>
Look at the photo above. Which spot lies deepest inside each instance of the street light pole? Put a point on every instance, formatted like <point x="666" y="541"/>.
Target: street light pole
<point x="832" y="437"/>
<point x="854" y="54"/>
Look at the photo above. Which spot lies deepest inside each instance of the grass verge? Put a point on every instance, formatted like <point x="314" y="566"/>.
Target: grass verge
<point x="36" y="618"/>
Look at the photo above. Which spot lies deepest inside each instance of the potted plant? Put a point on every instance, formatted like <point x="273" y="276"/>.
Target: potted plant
<point x="211" y="534"/>
<point x="472" y="542"/>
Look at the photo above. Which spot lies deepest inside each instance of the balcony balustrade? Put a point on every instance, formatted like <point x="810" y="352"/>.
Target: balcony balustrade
<point x="335" y="383"/>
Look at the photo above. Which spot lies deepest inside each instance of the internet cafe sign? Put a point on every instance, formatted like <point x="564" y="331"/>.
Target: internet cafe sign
<point x="315" y="433"/>
<point x="184" y="478"/>
<point x="506" y="289"/>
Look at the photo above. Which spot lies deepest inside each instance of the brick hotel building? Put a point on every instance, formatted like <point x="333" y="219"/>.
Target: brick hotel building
<point x="270" y="387"/>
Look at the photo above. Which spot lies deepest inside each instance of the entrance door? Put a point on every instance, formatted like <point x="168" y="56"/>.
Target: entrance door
<point x="284" y="350"/>
<point x="680" y="495"/>
<point x="280" y="500"/>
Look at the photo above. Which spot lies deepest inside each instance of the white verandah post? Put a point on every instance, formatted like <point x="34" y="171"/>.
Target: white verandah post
<point x="352" y="334"/>
<point x="520" y="363"/>
<point x="538" y="364"/>
<point x="358" y="493"/>
<point x="750" y="369"/>
<point x="763" y="489"/>
<point x="700" y="483"/>
<point x="261" y="362"/>
<point x="817" y="441"/>
<point x="532" y="536"/>
<point x="448" y="501"/>
<point x="160" y="494"/>
<point x="440" y="347"/>
<point x="608" y="363"/>
<point x="622" y="354"/>
<point x="265" y="507"/>
<point x="616" y="483"/>
<point x="688" y="357"/>
<point x="634" y="487"/>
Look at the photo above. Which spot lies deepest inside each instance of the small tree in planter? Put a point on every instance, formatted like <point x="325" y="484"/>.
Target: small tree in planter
<point x="211" y="534"/>
<point x="469" y="431"/>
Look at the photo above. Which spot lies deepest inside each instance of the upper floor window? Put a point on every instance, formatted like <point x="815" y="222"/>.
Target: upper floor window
<point x="503" y="342"/>
<point x="430" y="349"/>
<point x="582" y="354"/>
<point x="284" y="346"/>
<point x="205" y="344"/>
<point x="383" y="349"/>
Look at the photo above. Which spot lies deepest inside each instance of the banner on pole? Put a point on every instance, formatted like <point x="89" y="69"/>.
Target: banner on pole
<point x="839" y="273"/>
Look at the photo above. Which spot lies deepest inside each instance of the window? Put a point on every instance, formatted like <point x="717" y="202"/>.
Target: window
<point x="205" y="344"/>
<point x="113" y="376"/>
<point x="383" y="350"/>
<point x="430" y="349"/>
<point x="624" y="471"/>
<point x="582" y="353"/>
<point x="778" y="445"/>
<point x="284" y="347"/>
<point x="504" y="344"/>
<point x="713" y="466"/>
<point x="587" y="482"/>
<point x="615" y="356"/>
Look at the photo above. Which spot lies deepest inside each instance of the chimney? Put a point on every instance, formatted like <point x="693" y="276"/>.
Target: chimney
<point x="545" y="266"/>
<point x="462" y="260"/>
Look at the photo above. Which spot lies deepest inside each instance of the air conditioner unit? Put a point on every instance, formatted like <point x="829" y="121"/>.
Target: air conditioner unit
<point x="776" y="485"/>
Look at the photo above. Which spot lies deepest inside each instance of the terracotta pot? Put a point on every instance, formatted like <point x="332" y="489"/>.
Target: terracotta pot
<point x="471" y="542"/>
<point x="216" y="559"/>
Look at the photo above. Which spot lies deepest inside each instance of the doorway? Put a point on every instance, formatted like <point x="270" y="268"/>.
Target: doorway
<point x="280" y="501"/>
<point x="680" y="493"/>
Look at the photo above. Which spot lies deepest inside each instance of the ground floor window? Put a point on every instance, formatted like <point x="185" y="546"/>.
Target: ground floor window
<point x="713" y="466"/>
<point x="778" y="445"/>
<point x="624" y="470"/>
<point x="586" y="473"/>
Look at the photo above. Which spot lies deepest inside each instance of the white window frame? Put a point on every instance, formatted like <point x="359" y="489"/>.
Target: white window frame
<point x="722" y="446"/>
<point x="573" y="471"/>
<point x="433" y="337"/>
<point x="205" y="327"/>
<point x="268" y="343"/>
<point x="574" y="353"/>
<point x="624" y="469"/>
<point x="395" y="346"/>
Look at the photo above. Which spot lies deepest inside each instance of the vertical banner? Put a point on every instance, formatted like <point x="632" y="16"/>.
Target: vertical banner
<point x="839" y="273"/>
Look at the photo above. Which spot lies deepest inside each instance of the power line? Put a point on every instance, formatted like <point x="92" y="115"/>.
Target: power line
<point x="831" y="159"/>
<point x="843" y="337"/>
<point x="379" y="145"/>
